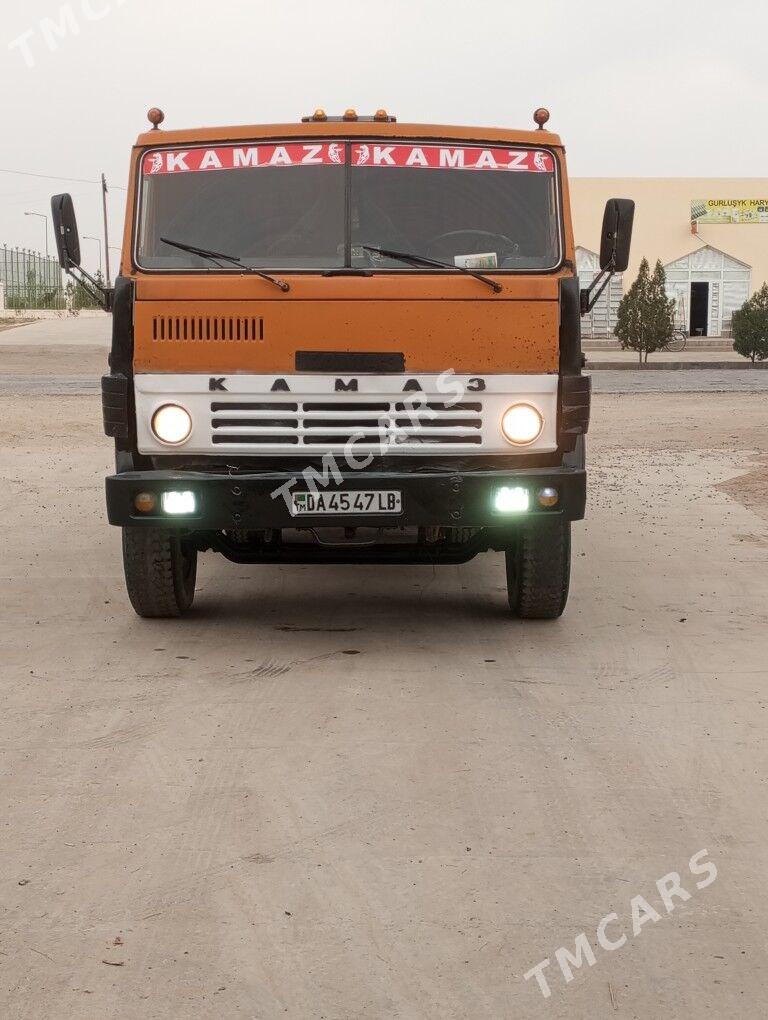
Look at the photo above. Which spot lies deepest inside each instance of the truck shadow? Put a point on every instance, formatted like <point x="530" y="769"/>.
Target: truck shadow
<point x="345" y="600"/>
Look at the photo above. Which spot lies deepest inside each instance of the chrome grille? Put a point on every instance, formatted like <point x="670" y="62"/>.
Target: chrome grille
<point x="331" y="424"/>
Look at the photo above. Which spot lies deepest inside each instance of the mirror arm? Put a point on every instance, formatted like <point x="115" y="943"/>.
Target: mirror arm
<point x="102" y="295"/>
<point x="601" y="281"/>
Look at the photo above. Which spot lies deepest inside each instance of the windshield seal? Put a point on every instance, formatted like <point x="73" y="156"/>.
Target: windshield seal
<point x="347" y="267"/>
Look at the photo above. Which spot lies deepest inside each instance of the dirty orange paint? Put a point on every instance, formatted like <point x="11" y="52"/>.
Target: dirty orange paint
<point x="200" y="322"/>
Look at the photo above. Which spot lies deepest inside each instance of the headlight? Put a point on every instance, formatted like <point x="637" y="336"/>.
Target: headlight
<point x="522" y="424"/>
<point x="172" y="424"/>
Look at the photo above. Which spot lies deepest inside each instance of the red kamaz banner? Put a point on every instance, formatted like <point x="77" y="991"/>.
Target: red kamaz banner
<point x="242" y="157"/>
<point x="451" y="157"/>
<point x="363" y="154"/>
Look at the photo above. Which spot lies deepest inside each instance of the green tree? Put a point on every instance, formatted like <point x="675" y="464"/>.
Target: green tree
<point x="750" y="327"/>
<point x="646" y="316"/>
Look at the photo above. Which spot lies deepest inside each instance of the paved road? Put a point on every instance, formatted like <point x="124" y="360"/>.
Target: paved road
<point x="362" y="792"/>
<point x="74" y="330"/>
<point x="629" y="358"/>
<point x="703" y="381"/>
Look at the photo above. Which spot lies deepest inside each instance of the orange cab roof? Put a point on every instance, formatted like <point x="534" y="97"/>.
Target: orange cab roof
<point x="347" y="129"/>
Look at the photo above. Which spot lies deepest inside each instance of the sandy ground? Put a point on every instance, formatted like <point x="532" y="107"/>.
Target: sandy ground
<point x="45" y="361"/>
<point x="6" y="324"/>
<point x="366" y="792"/>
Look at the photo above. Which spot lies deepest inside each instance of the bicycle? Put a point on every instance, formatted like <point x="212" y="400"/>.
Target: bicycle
<point x="677" y="342"/>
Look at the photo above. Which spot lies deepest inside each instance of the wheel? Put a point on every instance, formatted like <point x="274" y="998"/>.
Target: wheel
<point x="160" y="572"/>
<point x="539" y="570"/>
<point x="677" y="343"/>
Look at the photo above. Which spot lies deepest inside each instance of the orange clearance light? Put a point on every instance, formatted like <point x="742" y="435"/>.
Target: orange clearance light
<point x="350" y="114"/>
<point x="155" y="117"/>
<point x="548" y="497"/>
<point x="319" y="115"/>
<point x="381" y="115"/>
<point x="541" y="116"/>
<point x="145" y="502"/>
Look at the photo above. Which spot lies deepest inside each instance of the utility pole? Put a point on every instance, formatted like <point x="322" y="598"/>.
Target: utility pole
<point x="104" y="190"/>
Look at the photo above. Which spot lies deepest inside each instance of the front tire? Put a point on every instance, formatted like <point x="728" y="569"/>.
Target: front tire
<point x="160" y="572"/>
<point x="539" y="570"/>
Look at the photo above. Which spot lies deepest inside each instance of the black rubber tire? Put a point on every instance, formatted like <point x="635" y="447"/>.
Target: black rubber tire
<point x="539" y="570"/>
<point x="160" y="572"/>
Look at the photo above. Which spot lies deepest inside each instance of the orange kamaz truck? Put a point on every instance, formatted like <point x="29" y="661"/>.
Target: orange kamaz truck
<point x="347" y="340"/>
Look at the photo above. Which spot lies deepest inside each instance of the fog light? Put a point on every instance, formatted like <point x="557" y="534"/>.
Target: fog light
<point x="548" y="497"/>
<point x="178" y="503"/>
<point x="172" y="424"/>
<point x="145" y="502"/>
<point x="511" y="501"/>
<point x="522" y="424"/>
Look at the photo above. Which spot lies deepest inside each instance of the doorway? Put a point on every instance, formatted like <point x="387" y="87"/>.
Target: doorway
<point x="699" y="309"/>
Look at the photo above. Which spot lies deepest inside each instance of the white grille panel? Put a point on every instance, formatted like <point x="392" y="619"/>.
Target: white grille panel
<point x="252" y="415"/>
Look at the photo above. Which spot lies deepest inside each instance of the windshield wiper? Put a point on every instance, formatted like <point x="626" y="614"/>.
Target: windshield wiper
<point x="213" y="256"/>
<point x="422" y="260"/>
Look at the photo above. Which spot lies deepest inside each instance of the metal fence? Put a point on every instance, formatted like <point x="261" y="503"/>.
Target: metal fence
<point x="31" y="280"/>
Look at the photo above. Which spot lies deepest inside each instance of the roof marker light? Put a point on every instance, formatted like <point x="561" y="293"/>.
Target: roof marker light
<point x="155" y="117"/>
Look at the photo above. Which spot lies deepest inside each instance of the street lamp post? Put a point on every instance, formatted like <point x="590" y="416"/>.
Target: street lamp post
<point x="104" y="190"/>
<point x="42" y="217"/>
<point x="89" y="237"/>
<point x="119" y="251"/>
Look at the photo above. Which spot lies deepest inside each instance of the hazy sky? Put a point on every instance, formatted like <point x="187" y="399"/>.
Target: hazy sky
<point x="649" y="88"/>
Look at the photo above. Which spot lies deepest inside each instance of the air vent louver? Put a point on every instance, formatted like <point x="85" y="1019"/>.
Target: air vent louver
<point x="228" y="329"/>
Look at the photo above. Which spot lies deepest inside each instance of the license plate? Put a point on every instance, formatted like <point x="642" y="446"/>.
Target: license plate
<point x="376" y="502"/>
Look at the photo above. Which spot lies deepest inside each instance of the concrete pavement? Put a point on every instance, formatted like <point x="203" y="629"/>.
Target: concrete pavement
<point x="360" y="792"/>
<point x="73" y="330"/>
<point x="704" y="357"/>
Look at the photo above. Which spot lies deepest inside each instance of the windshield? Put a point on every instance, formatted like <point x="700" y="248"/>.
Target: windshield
<point x="323" y="206"/>
<point x="478" y="208"/>
<point x="268" y="205"/>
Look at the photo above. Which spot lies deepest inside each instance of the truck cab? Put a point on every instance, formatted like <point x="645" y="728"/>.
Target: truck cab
<point x="347" y="340"/>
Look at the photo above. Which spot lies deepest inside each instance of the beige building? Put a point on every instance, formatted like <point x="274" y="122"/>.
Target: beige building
<point x="712" y="267"/>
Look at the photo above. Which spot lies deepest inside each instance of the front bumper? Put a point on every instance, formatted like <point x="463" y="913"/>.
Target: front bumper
<point x="245" y="501"/>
